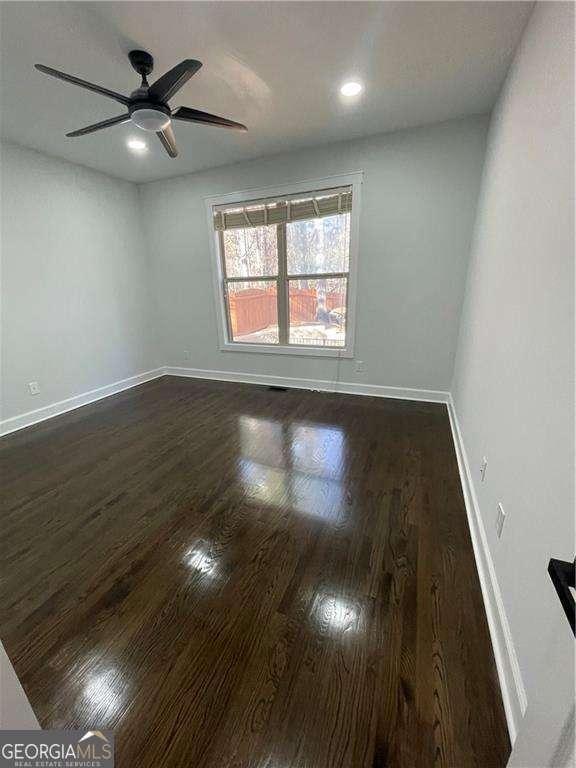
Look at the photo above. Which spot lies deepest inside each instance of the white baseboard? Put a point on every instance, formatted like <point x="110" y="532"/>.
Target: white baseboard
<point x="509" y="674"/>
<point x="348" y="388"/>
<point x="56" y="409"/>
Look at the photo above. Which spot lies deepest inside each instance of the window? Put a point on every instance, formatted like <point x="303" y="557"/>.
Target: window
<point x="284" y="268"/>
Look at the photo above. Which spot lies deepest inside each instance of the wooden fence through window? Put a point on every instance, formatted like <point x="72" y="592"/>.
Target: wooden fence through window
<point x="255" y="309"/>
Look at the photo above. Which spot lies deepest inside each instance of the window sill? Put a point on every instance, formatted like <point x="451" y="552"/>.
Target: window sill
<point x="293" y="349"/>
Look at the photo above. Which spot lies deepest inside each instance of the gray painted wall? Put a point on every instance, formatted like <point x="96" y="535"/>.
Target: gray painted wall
<point x="75" y="281"/>
<point x="85" y="303"/>
<point x="418" y="205"/>
<point x="15" y="710"/>
<point x="514" y="378"/>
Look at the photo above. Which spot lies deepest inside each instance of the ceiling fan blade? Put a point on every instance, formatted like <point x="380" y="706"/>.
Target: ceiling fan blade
<point x="167" y="85"/>
<point x="197" y="116"/>
<point x="83" y="84"/>
<point x="168" y="140"/>
<point x="100" y="126"/>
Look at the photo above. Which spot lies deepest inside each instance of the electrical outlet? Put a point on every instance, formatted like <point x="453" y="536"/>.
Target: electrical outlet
<point x="483" y="469"/>
<point x="360" y="366"/>
<point x="187" y="354"/>
<point x="34" y="388"/>
<point x="500" y="520"/>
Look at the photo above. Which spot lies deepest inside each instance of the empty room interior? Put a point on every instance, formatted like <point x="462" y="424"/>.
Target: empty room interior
<point x="287" y="384"/>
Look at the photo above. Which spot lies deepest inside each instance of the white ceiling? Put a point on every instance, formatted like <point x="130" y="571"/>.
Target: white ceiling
<point x="275" y="66"/>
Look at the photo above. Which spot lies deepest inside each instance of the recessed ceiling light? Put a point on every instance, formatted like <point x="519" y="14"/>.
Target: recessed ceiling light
<point x="352" y="88"/>
<point x="137" y="145"/>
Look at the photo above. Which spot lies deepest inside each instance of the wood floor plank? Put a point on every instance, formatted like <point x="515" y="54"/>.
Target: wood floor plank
<point x="234" y="577"/>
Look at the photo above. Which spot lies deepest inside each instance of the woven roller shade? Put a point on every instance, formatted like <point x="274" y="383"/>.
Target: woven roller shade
<point x="280" y="211"/>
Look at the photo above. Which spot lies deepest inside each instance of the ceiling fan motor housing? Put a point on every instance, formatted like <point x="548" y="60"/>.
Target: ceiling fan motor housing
<point x="145" y="112"/>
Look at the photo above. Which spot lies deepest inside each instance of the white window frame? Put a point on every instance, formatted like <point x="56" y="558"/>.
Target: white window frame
<point x="226" y="344"/>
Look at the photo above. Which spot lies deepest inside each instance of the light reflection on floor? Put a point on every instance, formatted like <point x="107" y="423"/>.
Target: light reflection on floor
<point x="298" y="465"/>
<point x="104" y="694"/>
<point x="199" y="559"/>
<point x="318" y="449"/>
<point x="336" y="614"/>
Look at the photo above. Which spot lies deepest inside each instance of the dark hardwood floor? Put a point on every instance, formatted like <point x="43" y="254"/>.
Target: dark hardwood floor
<point x="232" y="576"/>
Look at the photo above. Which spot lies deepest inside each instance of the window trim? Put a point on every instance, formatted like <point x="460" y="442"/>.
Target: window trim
<point x="353" y="179"/>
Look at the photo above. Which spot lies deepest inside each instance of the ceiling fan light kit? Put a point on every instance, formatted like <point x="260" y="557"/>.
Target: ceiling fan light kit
<point x="150" y="119"/>
<point x="148" y="106"/>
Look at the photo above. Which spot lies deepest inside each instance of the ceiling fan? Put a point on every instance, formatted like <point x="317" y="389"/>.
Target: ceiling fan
<point x="148" y="105"/>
